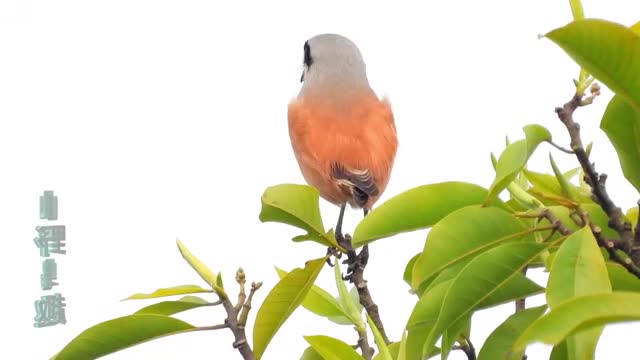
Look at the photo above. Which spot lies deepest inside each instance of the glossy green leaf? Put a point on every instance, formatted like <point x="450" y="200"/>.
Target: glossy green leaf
<point x="321" y="303"/>
<point x="515" y="157"/>
<point x="578" y="269"/>
<point x="176" y="290"/>
<point x="621" y="279"/>
<point x="566" y="188"/>
<point x="464" y="233"/>
<point x="296" y="205"/>
<point x="581" y="313"/>
<point x="632" y="216"/>
<point x="545" y="184"/>
<point x="174" y="307"/>
<point x="332" y="349"/>
<point x="483" y="277"/>
<point x="120" y="333"/>
<point x="621" y="124"/>
<point x="500" y="342"/>
<point x="417" y="208"/>
<point x="207" y="275"/>
<point x="402" y="348"/>
<point x="609" y="51"/>
<point x="282" y="301"/>
<point x="384" y="352"/>
<point x="425" y="313"/>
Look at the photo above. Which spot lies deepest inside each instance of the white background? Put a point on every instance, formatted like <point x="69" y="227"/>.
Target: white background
<point x="157" y="120"/>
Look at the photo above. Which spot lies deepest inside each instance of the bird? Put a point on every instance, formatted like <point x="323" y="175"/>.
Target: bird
<point x="342" y="134"/>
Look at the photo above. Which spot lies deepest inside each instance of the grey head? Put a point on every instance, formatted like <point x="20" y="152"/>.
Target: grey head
<point x="332" y="64"/>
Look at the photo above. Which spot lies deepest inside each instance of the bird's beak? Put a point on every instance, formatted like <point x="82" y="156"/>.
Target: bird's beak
<point x="302" y="76"/>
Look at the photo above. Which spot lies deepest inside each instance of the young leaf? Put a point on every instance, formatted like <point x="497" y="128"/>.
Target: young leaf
<point x="464" y="233"/>
<point x="332" y="349"/>
<point x="609" y="51"/>
<point x="483" y="277"/>
<point x="385" y="353"/>
<point x="621" y="124"/>
<point x="514" y="158"/>
<point x="120" y="333"/>
<point x="207" y="275"/>
<point x="566" y="187"/>
<point x="174" y="307"/>
<point x="499" y="343"/>
<point x="321" y="303"/>
<point x="282" y="301"/>
<point x="581" y="313"/>
<point x="176" y="290"/>
<point x="417" y="208"/>
<point x="346" y="301"/>
<point x="296" y="205"/>
<point x="578" y="269"/>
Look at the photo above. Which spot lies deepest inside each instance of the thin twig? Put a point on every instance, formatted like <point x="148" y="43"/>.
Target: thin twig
<point x="467" y="347"/>
<point x="235" y="319"/>
<point x="561" y="148"/>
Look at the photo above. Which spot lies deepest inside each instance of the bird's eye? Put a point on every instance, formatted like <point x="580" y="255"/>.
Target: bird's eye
<point x="307" y="55"/>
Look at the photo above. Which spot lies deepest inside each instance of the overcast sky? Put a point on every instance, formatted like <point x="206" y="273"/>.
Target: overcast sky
<point x="157" y="120"/>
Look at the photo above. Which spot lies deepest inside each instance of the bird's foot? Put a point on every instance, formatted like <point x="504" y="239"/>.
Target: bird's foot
<point x="333" y="251"/>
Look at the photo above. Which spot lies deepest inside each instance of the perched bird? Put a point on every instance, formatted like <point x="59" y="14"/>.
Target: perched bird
<point x="343" y="136"/>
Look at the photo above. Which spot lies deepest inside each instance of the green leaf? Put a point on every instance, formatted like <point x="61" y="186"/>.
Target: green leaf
<point x="296" y="205"/>
<point x="621" y="279"/>
<point x="578" y="269"/>
<point x="560" y="352"/>
<point x="566" y="187"/>
<point x="282" y="301"/>
<point x="321" y="303"/>
<point x="515" y="157"/>
<point x="207" y="275"/>
<point x="385" y="353"/>
<point x="402" y="349"/>
<point x="174" y="307"/>
<point x="609" y="51"/>
<point x="417" y="208"/>
<point x="499" y="343"/>
<point x="621" y="124"/>
<point x="408" y="270"/>
<point x="346" y="301"/>
<point x="176" y="290"/>
<point x="545" y="184"/>
<point x="581" y="313"/>
<point x="426" y="312"/>
<point x="464" y="233"/>
<point x="394" y="350"/>
<point x="120" y="333"/>
<point x="460" y="327"/>
<point x="332" y="349"/>
<point x="310" y="354"/>
<point x="576" y="9"/>
<point x="483" y="277"/>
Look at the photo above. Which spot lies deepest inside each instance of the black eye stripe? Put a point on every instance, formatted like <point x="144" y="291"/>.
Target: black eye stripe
<point x="308" y="60"/>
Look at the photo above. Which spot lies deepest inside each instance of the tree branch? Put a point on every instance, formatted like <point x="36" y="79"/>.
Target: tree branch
<point x="355" y="274"/>
<point x="592" y="178"/>
<point x="237" y="315"/>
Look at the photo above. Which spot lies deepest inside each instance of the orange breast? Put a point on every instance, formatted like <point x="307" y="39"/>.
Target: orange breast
<point x="358" y="133"/>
